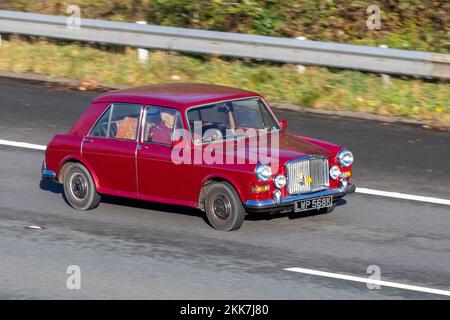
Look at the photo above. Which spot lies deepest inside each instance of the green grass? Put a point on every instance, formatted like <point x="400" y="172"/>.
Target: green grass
<point x="316" y="88"/>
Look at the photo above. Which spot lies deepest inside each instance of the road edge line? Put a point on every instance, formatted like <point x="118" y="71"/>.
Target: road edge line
<point x="22" y="144"/>
<point x="404" y="196"/>
<point x="369" y="281"/>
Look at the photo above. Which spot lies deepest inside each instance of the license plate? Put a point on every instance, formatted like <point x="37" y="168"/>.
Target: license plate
<point x="313" y="203"/>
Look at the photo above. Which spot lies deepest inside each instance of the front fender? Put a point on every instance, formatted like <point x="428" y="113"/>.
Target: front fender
<point x="228" y="178"/>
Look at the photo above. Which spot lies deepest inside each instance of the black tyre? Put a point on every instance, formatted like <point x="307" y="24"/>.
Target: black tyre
<point x="223" y="207"/>
<point x="79" y="188"/>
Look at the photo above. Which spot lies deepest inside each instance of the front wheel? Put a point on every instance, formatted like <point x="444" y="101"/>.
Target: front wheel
<point x="223" y="207"/>
<point x="79" y="188"/>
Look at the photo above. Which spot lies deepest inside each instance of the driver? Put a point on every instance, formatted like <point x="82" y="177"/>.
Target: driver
<point x="162" y="132"/>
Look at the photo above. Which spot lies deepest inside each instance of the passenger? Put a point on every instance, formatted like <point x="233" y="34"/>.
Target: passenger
<point x="162" y="132"/>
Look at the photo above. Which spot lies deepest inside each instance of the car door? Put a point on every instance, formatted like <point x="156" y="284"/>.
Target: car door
<point x="110" y="148"/>
<point x="159" y="176"/>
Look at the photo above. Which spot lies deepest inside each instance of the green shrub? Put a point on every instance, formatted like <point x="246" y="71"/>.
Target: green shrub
<point x="405" y="24"/>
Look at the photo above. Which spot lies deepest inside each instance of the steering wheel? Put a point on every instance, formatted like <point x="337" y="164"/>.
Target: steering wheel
<point x="212" y="134"/>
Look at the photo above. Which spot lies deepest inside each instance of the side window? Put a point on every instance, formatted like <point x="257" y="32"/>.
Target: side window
<point x="160" y="123"/>
<point x="247" y="114"/>
<point x="211" y="116"/>
<point x="120" y="121"/>
<point x="101" y="128"/>
<point x="268" y="119"/>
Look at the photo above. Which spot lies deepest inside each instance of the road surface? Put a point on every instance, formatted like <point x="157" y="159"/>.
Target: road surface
<point x="129" y="249"/>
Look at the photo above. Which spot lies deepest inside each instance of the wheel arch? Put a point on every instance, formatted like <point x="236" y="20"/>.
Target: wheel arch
<point x="210" y="179"/>
<point x="76" y="159"/>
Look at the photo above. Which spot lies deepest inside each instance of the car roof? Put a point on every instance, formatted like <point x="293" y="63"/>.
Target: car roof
<point x="175" y="95"/>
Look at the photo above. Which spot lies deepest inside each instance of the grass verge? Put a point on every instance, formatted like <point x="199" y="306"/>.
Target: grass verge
<point x="318" y="88"/>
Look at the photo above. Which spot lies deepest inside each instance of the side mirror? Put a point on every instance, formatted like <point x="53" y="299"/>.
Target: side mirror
<point x="283" y="124"/>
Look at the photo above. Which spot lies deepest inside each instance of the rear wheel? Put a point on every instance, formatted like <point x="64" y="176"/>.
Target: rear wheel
<point x="223" y="207"/>
<point x="79" y="188"/>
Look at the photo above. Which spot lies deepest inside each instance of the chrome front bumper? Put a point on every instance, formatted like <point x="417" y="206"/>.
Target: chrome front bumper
<point x="276" y="203"/>
<point x="47" y="174"/>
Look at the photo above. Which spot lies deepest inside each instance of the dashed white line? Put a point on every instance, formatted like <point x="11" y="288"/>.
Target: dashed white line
<point x="369" y="281"/>
<point x="389" y="194"/>
<point x="405" y="196"/>
<point x="22" y="145"/>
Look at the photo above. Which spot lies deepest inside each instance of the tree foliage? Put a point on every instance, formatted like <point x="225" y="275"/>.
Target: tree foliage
<point x="405" y="24"/>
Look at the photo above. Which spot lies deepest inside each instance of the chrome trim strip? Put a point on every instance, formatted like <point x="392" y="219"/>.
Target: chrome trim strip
<point x="344" y="185"/>
<point x="138" y="136"/>
<point x="259" y="204"/>
<point x="47" y="174"/>
<point x="81" y="146"/>
<point x="277" y="197"/>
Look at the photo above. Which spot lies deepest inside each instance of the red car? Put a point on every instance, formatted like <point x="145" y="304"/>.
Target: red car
<point x="215" y="148"/>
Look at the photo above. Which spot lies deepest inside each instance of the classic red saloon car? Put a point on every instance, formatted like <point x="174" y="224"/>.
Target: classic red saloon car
<point x="215" y="148"/>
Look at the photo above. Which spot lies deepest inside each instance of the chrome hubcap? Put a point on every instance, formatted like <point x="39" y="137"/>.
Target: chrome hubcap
<point x="78" y="186"/>
<point x="222" y="207"/>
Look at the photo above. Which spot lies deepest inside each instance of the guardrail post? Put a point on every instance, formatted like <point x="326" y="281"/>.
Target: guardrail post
<point x="142" y="53"/>
<point x="384" y="77"/>
<point x="300" y="68"/>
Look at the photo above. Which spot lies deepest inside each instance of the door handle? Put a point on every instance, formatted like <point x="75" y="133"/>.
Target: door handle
<point x="140" y="147"/>
<point x="87" y="140"/>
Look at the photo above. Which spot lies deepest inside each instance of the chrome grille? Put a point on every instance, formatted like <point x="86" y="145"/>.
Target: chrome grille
<point x="307" y="175"/>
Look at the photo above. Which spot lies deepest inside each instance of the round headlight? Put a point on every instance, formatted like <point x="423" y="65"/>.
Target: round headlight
<point x="263" y="172"/>
<point x="280" y="181"/>
<point x="345" y="158"/>
<point x="335" y="172"/>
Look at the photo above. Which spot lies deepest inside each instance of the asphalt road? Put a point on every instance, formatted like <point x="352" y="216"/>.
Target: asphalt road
<point x="132" y="249"/>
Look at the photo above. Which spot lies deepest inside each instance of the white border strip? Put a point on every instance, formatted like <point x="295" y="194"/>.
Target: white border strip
<point x="396" y="195"/>
<point x="371" y="281"/>
<point x="405" y="196"/>
<point x="22" y="145"/>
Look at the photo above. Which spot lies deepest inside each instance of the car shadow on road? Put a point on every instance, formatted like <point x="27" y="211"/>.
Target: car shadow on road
<point x="141" y="204"/>
<point x="52" y="186"/>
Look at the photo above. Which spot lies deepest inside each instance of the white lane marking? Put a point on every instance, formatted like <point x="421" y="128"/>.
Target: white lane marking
<point x="370" y="281"/>
<point x="22" y="145"/>
<point x="397" y="195"/>
<point x="405" y="196"/>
